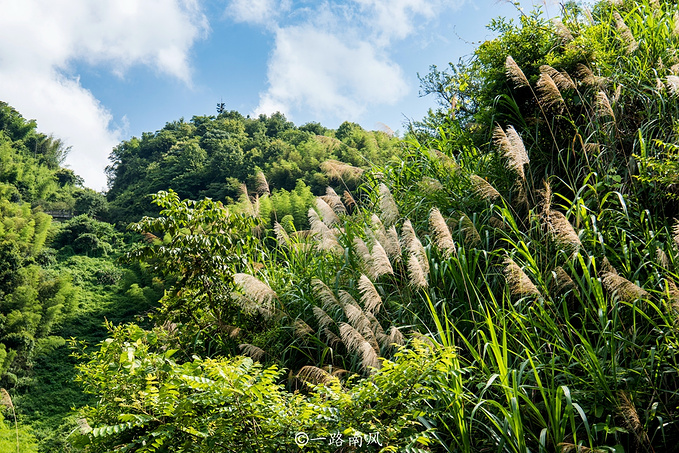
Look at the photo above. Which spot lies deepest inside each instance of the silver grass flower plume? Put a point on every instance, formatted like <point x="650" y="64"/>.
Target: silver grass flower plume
<point x="662" y="258"/>
<point x="430" y="185"/>
<point x="334" y="201"/>
<point x="675" y="30"/>
<point x="561" y="229"/>
<point x="379" y="262"/>
<point x="325" y="237"/>
<point x="348" y="200"/>
<point x="550" y="96"/>
<point x="355" y="343"/>
<point x="301" y="328"/>
<point x="392" y="244"/>
<point x="513" y="149"/>
<point x="441" y="233"/>
<point x="358" y="320"/>
<point x="252" y="351"/>
<point x="325" y="294"/>
<point x="563" y="282"/>
<point x="622" y="288"/>
<point x="562" y="31"/>
<point x="257" y="292"/>
<point x="468" y="229"/>
<point x="315" y="375"/>
<point x="675" y="233"/>
<point x="362" y="251"/>
<point x="326" y="212"/>
<point x="603" y="106"/>
<point x="484" y="189"/>
<point x="673" y="84"/>
<point x="322" y="318"/>
<point x="588" y="78"/>
<point x="673" y="293"/>
<point x="281" y="235"/>
<point x="625" y="33"/>
<point x="370" y="298"/>
<point x="261" y="184"/>
<point x="562" y="80"/>
<point x="414" y="246"/>
<point x="333" y="339"/>
<point x="416" y="275"/>
<point x="395" y="336"/>
<point x="515" y="74"/>
<point x="520" y="285"/>
<point x="248" y="207"/>
<point x="336" y="170"/>
<point x="388" y="206"/>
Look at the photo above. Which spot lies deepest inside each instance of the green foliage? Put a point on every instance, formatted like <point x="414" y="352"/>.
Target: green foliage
<point x="84" y="235"/>
<point x="208" y="156"/>
<point x="237" y="405"/>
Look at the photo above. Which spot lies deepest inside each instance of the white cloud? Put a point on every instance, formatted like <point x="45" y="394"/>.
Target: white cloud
<point x="39" y="41"/>
<point x="316" y="70"/>
<point x="262" y="12"/>
<point x="335" y="61"/>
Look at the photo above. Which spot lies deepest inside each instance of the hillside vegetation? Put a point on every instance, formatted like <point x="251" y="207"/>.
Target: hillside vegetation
<point x="508" y="283"/>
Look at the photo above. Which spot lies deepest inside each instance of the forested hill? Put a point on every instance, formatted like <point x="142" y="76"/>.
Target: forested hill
<point x="212" y="157"/>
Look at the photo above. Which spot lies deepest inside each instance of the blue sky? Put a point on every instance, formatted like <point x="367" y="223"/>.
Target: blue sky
<point x="98" y="72"/>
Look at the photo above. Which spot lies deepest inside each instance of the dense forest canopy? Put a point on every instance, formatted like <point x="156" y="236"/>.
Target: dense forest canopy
<point x="502" y="278"/>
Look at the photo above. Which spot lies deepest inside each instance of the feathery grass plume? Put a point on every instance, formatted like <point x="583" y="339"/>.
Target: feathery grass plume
<point x="469" y="231"/>
<point x="659" y="85"/>
<point x="301" y="328"/>
<point x="232" y="331"/>
<point x="593" y="149"/>
<point x="441" y="233"/>
<point x="550" y="96"/>
<point x="673" y="84"/>
<point x="675" y="232"/>
<point x="675" y="19"/>
<point x="630" y="416"/>
<point x="281" y="235"/>
<point x="322" y="317"/>
<point x="357" y="319"/>
<point x="430" y="185"/>
<point x="561" y="229"/>
<point x="392" y="244"/>
<point x="6" y="399"/>
<point x="447" y="161"/>
<point x="378" y="227"/>
<point x="414" y="246"/>
<point x="498" y="223"/>
<point x="325" y="237"/>
<point x="356" y="343"/>
<point x="349" y="201"/>
<point x="625" y="33"/>
<point x="370" y="298"/>
<point x="334" y="201"/>
<point x="662" y="258"/>
<point x="150" y="238"/>
<point x="252" y="351"/>
<point x="416" y="275"/>
<point x="395" y="336"/>
<point x="261" y="184"/>
<point x="622" y="288"/>
<point x="484" y="189"/>
<point x="326" y="212"/>
<point x="518" y="282"/>
<point x="512" y="147"/>
<point x="336" y="170"/>
<point x="333" y="339"/>
<point x="315" y="375"/>
<point x="379" y="262"/>
<point x="388" y="206"/>
<point x="362" y="250"/>
<point x="545" y="197"/>
<point x="248" y="207"/>
<point x="325" y="294"/>
<point x="257" y="291"/>
<point x="588" y="78"/>
<point x="602" y="105"/>
<point x="515" y="74"/>
<point x="562" y="80"/>
<point x="563" y="282"/>
<point x="377" y="330"/>
<point x="562" y="31"/>
<point x="83" y="426"/>
<point x="673" y="293"/>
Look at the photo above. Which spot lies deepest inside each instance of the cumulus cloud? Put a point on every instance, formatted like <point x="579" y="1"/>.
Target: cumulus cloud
<point x="316" y="70"/>
<point x="41" y="40"/>
<point x="334" y="58"/>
